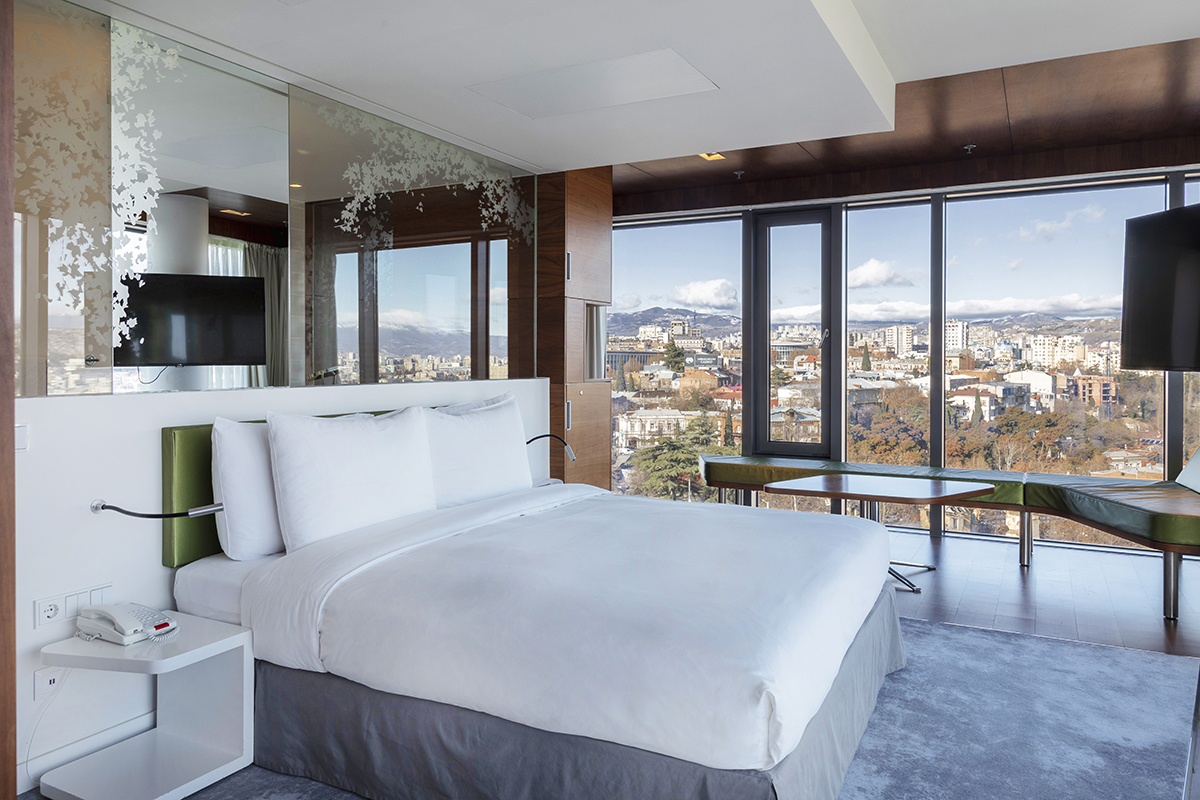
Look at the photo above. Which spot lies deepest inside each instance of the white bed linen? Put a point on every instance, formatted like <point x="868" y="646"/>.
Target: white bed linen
<point x="705" y="632"/>
<point x="212" y="586"/>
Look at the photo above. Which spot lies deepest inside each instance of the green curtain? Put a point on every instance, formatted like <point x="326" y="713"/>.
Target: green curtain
<point x="270" y="264"/>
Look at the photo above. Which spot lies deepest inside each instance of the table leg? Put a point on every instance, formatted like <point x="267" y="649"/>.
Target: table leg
<point x="870" y="510"/>
<point x="912" y="586"/>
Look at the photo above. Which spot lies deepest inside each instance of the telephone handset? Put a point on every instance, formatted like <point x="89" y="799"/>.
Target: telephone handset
<point x="124" y="623"/>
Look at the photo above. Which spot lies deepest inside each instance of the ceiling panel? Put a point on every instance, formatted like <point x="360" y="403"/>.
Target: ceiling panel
<point x="1126" y="95"/>
<point x="922" y="39"/>
<point x="935" y="120"/>
<point x="780" y="71"/>
<point x="1136" y="94"/>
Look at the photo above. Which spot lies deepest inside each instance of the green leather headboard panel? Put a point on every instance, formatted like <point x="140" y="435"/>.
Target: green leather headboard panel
<point x="187" y="483"/>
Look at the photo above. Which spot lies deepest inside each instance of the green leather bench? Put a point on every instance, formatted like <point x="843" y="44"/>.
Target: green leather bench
<point x="1162" y="515"/>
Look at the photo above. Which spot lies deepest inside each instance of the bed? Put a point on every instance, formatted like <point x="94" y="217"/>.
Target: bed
<point x="560" y="641"/>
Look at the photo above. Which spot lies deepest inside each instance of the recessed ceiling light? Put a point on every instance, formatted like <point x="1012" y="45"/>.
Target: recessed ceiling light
<point x="712" y="156"/>
<point x="302" y="152"/>
<point x="295" y="185"/>
<point x="235" y="213"/>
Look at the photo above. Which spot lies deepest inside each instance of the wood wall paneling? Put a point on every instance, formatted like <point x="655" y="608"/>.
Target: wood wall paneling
<point x="589" y="234"/>
<point x="562" y="334"/>
<point x="590" y="435"/>
<point x="8" y="533"/>
<point x="522" y="337"/>
<point x="575" y="215"/>
<point x="552" y="234"/>
<point x="1131" y="109"/>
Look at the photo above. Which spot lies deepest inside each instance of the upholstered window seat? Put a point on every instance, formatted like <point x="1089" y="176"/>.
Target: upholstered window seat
<point x="1163" y="515"/>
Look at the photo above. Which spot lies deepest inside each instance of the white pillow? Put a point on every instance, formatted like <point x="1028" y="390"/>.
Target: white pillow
<point x="1190" y="475"/>
<point x="336" y="475"/>
<point x="241" y="468"/>
<point x="478" y="453"/>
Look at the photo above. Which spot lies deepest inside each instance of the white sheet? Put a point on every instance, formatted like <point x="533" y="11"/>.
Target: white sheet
<point x="704" y="632"/>
<point x="212" y="587"/>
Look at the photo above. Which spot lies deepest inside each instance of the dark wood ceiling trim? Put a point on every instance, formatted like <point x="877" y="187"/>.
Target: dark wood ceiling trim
<point x="1137" y="108"/>
<point x="968" y="171"/>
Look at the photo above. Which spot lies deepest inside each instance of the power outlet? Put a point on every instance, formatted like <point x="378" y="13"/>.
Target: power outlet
<point x="49" y="610"/>
<point x="46" y="682"/>
<point x="65" y="607"/>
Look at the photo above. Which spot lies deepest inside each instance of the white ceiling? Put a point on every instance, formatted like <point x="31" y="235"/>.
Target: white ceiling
<point x="931" y="38"/>
<point x="547" y="84"/>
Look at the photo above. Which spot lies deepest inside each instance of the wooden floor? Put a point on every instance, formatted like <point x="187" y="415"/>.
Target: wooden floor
<point x="1089" y="595"/>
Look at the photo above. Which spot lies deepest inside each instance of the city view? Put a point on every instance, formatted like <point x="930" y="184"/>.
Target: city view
<point x="1032" y="348"/>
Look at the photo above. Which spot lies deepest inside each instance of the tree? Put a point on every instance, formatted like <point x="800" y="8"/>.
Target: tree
<point x="673" y="356"/>
<point x="621" y="386"/>
<point x="728" y="440"/>
<point x="866" y="359"/>
<point x="977" y="412"/>
<point x="670" y="467"/>
<point x="780" y="377"/>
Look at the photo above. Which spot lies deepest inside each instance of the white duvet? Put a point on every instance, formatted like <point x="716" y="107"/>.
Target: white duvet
<point x="705" y="632"/>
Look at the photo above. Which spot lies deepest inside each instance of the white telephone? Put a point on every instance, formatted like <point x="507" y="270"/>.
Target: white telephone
<point x="124" y="623"/>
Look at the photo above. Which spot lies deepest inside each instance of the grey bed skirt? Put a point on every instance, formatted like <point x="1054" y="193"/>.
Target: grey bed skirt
<point x="381" y="745"/>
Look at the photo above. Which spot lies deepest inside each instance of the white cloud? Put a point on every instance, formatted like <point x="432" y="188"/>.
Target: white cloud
<point x="498" y="295"/>
<point x="1042" y="229"/>
<point x="875" y="273"/>
<point x="403" y="318"/>
<point x="1015" y="265"/>
<point x="626" y="302"/>
<point x="717" y="295"/>
<point x="953" y="261"/>
<point x="1068" y="305"/>
<point x="796" y="314"/>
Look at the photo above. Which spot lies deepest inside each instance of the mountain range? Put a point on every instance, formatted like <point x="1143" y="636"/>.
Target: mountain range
<point x="712" y="326"/>
<point x="397" y="340"/>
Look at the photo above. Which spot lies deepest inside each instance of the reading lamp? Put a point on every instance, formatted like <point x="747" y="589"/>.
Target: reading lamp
<point x="570" y="452"/>
<point x="199" y="511"/>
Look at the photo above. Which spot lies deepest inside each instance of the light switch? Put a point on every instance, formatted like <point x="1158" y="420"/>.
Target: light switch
<point x="22" y="436"/>
<point x="72" y="607"/>
<point x="97" y="597"/>
<point x="108" y="594"/>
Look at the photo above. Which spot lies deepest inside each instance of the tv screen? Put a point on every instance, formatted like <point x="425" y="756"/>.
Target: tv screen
<point x="192" y="320"/>
<point x="1160" y="322"/>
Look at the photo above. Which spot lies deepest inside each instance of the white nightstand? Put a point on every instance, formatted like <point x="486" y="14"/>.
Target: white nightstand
<point x="205" y="714"/>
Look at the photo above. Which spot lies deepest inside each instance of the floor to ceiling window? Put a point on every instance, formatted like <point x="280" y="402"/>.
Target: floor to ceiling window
<point x="675" y="354"/>
<point x="1033" y="380"/>
<point x="887" y="341"/>
<point x="1033" y="342"/>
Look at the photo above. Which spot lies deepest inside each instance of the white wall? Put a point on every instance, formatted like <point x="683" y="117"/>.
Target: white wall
<point x="87" y="447"/>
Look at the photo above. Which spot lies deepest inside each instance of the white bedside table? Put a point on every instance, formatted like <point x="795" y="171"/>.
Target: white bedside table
<point x="205" y="714"/>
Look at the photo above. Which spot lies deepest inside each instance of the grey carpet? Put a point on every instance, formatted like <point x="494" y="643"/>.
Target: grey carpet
<point x="989" y="714"/>
<point x="978" y="714"/>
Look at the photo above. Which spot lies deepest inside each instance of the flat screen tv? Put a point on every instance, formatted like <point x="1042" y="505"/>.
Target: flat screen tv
<point x="193" y="320"/>
<point x="1160" y="321"/>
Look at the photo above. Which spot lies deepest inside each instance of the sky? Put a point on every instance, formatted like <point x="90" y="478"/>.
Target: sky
<point x="1057" y="253"/>
<point x="426" y="287"/>
<point x="1060" y="254"/>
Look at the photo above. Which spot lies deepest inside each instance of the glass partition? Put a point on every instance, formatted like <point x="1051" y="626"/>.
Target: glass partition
<point x="62" y="198"/>
<point x="136" y="156"/>
<point x="423" y="220"/>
